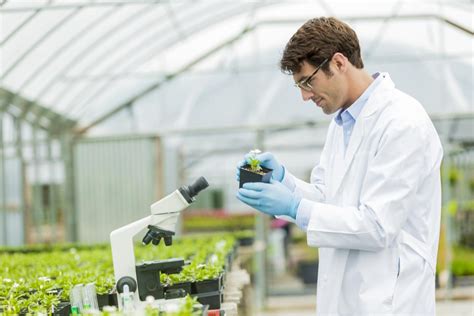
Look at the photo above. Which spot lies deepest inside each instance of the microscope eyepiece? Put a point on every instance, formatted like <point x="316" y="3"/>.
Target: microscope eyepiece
<point x="198" y="185"/>
<point x="189" y="192"/>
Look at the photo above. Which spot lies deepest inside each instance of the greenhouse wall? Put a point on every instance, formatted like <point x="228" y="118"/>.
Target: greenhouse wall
<point x="116" y="181"/>
<point x="11" y="215"/>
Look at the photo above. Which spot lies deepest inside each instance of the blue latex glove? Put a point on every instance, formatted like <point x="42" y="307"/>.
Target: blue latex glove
<point x="267" y="160"/>
<point x="271" y="198"/>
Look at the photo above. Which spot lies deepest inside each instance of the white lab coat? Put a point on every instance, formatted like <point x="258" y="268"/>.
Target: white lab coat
<point x="375" y="210"/>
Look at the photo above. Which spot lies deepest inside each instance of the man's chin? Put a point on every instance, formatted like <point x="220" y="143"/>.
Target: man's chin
<point x="329" y="110"/>
<point x="326" y="110"/>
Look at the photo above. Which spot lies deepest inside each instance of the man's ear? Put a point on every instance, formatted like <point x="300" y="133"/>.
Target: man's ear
<point x="340" y="61"/>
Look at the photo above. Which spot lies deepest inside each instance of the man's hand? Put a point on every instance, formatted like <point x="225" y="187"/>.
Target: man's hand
<point x="267" y="160"/>
<point x="271" y="198"/>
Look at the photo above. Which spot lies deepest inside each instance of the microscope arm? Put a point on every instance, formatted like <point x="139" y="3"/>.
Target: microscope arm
<point x="164" y="217"/>
<point x="122" y="238"/>
<point x="123" y="249"/>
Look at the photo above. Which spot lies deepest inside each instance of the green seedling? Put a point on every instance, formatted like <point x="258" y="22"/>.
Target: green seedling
<point x="28" y="282"/>
<point x="254" y="163"/>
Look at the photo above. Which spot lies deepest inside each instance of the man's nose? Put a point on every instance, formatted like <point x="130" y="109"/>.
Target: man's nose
<point x="306" y="95"/>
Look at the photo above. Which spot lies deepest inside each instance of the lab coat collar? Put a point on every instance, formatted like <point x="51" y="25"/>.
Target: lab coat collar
<point x="377" y="101"/>
<point x="353" y="111"/>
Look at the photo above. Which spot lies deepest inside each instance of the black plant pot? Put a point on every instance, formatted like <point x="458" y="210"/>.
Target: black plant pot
<point x="206" y="286"/>
<point x="107" y="300"/>
<point x="308" y="271"/>
<point x="246" y="241"/>
<point x="174" y="293"/>
<point x="186" y="286"/>
<point x="249" y="176"/>
<point x="213" y="299"/>
<point x="62" y="309"/>
<point x="56" y="291"/>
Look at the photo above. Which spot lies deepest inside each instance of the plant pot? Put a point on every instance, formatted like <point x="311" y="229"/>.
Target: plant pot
<point x="213" y="299"/>
<point x="246" y="241"/>
<point x="186" y="286"/>
<point x="206" y="286"/>
<point x="56" y="291"/>
<point x="107" y="300"/>
<point x="249" y="176"/>
<point x="308" y="271"/>
<point x="62" y="309"/>
<point x="174" y="293"/>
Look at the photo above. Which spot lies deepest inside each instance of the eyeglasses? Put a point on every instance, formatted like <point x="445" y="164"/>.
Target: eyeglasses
<point x="305" y="84"/>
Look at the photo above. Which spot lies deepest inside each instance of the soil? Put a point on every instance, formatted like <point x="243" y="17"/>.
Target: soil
<point x="261" y="172"/>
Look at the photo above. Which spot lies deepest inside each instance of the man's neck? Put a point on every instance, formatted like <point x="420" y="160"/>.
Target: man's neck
<point x="359" y="81"/>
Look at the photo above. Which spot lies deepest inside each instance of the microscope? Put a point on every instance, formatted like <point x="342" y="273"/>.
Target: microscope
<point x="161" y="224"/>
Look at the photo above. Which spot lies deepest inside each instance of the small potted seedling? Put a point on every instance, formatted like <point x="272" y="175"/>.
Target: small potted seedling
<point x="252" y="171"/>
<point x="209" y="278"/>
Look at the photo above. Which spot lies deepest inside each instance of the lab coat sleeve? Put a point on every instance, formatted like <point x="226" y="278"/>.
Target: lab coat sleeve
<point x="311" y="191"/>
<point x="315" y="190"/>
<point x="387" y="195"/>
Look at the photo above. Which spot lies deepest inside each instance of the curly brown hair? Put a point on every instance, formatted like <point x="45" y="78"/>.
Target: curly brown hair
<point x="318" y="39"/>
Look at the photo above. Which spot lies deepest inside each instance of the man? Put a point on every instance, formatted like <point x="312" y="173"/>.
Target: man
<point x="373" y="204"/>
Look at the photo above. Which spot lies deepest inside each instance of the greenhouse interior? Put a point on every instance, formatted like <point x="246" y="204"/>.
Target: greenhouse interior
<point x="101" y="159"/>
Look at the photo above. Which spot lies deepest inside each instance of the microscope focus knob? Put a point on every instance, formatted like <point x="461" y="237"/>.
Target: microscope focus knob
<point x="126" y="280"/>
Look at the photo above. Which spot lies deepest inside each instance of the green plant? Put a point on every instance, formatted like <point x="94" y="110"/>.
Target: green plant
<point x="204" y="271"/>
<point x="189" y="307"/>
<point x="104" y="284"/>
<point x="218" y="222"/>
<point x="40" y="302"/>
<point x="454" y="176"/>
<point x="442" y="250"/>
<point x="463" y="261"/>
<point x="471" y="185"/>
<point x="35" y="282"/>
<point x="170" y="279"/>
<point x="254" y="163"/>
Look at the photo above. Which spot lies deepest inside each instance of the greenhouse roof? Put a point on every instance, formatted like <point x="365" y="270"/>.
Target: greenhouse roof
<point x="157" y="66"/>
